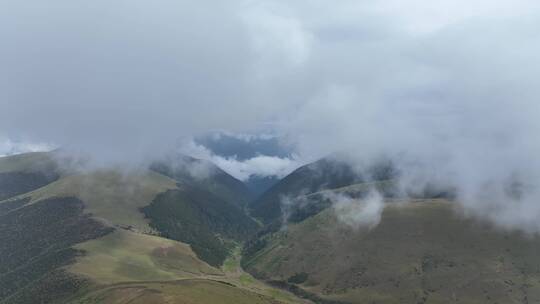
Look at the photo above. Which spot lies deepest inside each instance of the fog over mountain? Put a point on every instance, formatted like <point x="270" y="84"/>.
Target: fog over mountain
<point x="245" y="156"/>
<point x="10" y="147"/>
<point x="447" y="90"/>
<point x="258" y="160"/>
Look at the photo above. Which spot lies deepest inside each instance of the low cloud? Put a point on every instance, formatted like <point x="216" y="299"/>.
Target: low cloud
<point x="447" y="90"/>
<point x="192" y="168"/>
<point x="258" y="166"/>
<point x="357" y="213"/>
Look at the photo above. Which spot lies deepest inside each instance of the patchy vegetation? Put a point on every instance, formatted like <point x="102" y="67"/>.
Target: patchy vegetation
<point x="55" y="287"/>
<point x="200" y="219"/>
<point x="125" y="256"/>
<point x="35" y="241"/>
<point x="110" y="195"/>
<point x="57" y="244"/>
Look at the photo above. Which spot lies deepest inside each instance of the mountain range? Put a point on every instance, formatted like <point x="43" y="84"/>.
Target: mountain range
<point x="181" y="230"/>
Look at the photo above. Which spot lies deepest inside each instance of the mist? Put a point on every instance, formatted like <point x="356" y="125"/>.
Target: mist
<point x="358" y="213"/>
<point x="448" y="91"/>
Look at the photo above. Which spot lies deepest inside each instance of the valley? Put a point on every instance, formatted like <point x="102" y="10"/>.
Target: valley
<point x="98" y="237"/>
<point x="269" y="152"/>
<point x="164" y="236"/>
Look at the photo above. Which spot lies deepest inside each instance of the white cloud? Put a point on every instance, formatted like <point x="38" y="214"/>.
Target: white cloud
<point x="276" y="34"/>
<point x="9" y="147"/>
<point x="261" y="165"/>
<point x="355" y="212"/>
<point x="448" y="86"/>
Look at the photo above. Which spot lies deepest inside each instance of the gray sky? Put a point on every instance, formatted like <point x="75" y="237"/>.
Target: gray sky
<point x="448" y="88"/>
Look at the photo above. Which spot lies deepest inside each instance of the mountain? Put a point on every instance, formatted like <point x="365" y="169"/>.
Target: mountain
<point x="122" y="236"/>
<point x="423" y="249"/>
<point x="204" y="175"/>
<point x="244" y="148"/>
<point x="174" y="233"/>
<point x="420" y="252"/>
<point x="260" y="184"/>
<point x="201" y="219"/>
<point x="326" y="173"/>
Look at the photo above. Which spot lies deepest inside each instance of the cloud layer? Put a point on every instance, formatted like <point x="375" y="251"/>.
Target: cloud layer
<point x="447" y="89"/>
<point x="243" y="169"/>
<point x="9" y="147"/>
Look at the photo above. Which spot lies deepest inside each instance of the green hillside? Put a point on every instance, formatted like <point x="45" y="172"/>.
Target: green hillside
<point x="126" y="256"/>
<point x="112" y="196"/>
<point x="97" y="237"/>
<point x="182" y="291"/>
<point x="176" y="209"/>
<point x="421" y="252"/>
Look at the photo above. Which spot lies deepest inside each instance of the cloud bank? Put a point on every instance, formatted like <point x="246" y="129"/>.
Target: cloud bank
<point x="358" y="213"/>
<point x="243" y="169"/>
<point x="447" y="89"/>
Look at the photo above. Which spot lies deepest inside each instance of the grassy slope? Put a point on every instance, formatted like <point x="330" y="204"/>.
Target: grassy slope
<point x="235" y="274"/>
<point x="125" y="256"/>
<point x="419" y="253"/>
<point x="156" y="275"/>
<point x="190" y="291"/>
<point x="110" y="195"/>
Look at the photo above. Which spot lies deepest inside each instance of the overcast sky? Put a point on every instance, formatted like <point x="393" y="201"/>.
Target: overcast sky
<point x="449" y="88"/>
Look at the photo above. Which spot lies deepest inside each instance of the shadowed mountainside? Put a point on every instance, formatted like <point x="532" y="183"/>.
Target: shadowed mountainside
<point x="206" y="176"/>
<point x="26" y="172"/>
<point x="201" y="219"/>
<point x="322" y="174"/>
<point x="36" y="241"/>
